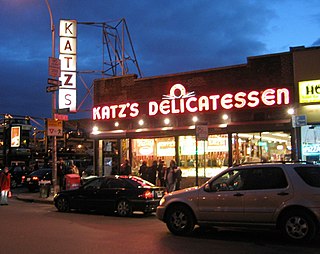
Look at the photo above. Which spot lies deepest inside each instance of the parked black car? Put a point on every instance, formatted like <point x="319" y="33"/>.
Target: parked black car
<point x="32" y="180"/>
<point x="121" y="194"/>
<point x="18" y="175"/>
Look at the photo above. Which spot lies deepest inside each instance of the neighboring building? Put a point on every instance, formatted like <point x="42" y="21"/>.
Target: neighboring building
<point x="243" y="109"/>
<point x="14" y="140"/>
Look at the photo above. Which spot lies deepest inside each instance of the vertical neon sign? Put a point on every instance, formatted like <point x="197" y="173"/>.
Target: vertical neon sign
<point x="68" y="58"/>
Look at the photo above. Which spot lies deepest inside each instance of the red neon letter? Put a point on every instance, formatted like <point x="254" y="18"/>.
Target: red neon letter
<point x="188" y="106"/>
<point x="268" y="97"/>
<point x="253" y="100"/>
<point x="240" y="100"/>
<point x="226" y="101"/>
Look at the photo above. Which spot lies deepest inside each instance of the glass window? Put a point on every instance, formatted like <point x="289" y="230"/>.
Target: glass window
<point x="310" y="143"/>
<point x="263" y="178"/>
<point x="94" y="184"/>
<point x="263" y="146"/>
<point x="310" y="175"/>
<point x="251" y="179"/>
<point x="212" y="155"/>
<point x="114" y="184"/>
<point x="150" y="150"/>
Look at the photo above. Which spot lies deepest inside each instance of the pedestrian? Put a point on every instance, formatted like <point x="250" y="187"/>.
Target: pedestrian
<point x="143" y="171"/>
<point x="152" y="173"/>
<point x="161" y="172"/>
<point x="5" y="186"/>
<point x="171" y="176"/>
<point x="61" y="171"/>
<point x="73" y="168"/>
<point x="125" y="168"/>
<point x="179" y="178"/>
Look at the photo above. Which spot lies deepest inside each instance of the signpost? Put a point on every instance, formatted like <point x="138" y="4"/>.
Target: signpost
<point x="201" y="134"/>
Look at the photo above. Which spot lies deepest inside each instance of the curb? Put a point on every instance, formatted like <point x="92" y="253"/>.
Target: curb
<point x="34" y="200"/>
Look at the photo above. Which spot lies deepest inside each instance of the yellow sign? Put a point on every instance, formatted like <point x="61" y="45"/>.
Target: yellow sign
<point x="54" y="127"/>
<point x="309" y="91"/>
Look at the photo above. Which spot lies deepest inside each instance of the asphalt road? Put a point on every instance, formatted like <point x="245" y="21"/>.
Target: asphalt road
<point x="39" y="228"/>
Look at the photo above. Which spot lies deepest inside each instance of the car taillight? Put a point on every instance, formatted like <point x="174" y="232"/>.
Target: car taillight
<point x="23" y="178"/>
<point x="147" y="195"/>
<point x="35" y="178"/>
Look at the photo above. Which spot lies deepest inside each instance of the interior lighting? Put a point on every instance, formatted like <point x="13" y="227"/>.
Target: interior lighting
<point x="141" y="122"/>
<point x="195" y="119"/>
<point x="290" y="111"/>
<point x="95" y="130"/>
<point x="116" y="124"/>
<point x="166" y="121"/>
<point x="225" y="117"/>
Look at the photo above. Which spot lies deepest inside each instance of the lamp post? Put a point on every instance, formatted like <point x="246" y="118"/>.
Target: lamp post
<point x="54" y="146"/>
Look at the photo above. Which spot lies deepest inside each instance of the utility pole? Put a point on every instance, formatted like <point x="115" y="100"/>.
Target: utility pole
<point x="54" y="145"/>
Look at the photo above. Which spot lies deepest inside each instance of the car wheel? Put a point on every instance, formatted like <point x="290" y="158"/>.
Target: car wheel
<point x="180" y="220"/>
<point x="124" y="208"/>
<point x="13" y="184"/>
<point x="298" y="226"/>
<point x="63" y="204"/>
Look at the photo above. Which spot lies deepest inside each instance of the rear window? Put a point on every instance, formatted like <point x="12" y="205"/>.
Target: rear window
<point x="138" y="182"/>
<point x="310" y="175"/>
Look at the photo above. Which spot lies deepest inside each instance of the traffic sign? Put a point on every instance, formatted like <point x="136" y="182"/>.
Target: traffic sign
<point x="52" y="88"/>
<point x="202" y="132"/>
<point x="298" y="121"/>
<point x="54" y="67"/>
<point x="54" y="127"/>
<point x="54" y="82"/>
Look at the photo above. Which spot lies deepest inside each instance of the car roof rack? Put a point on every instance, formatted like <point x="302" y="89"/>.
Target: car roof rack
<point x="274" y="162"/>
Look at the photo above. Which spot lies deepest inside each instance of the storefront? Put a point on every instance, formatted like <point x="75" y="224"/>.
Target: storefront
<point x="244" y="109"/>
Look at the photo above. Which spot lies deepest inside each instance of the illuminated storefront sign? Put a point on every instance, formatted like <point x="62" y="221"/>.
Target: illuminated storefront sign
<point x="15" y="136"/>
<point x="68" y="58"/>
<point x="309" y="91"/>
<point x="310" y="149"/>
<point x="179" y="101"/>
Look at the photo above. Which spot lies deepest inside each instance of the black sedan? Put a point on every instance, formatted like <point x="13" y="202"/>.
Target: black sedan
<point x="32" y="180"/>
<point x="120" y="194"/>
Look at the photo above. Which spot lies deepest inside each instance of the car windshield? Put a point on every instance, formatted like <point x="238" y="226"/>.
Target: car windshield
<point x="310" y="175"/>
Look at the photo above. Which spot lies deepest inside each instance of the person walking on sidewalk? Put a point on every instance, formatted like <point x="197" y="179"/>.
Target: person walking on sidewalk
<point x="5" y="186"/>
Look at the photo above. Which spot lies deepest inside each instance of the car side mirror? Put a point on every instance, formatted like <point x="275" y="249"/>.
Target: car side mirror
<point x="207" y="188"/>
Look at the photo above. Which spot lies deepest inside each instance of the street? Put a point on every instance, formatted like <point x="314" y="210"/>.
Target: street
<point x="38" y="228"/>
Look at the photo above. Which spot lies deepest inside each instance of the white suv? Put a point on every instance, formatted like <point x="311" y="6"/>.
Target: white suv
<point x="285" y="196"/>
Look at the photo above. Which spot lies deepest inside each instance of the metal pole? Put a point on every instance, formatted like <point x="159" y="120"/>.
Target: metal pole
<point x="197" y="159"/>
<point x="54" y="146"/>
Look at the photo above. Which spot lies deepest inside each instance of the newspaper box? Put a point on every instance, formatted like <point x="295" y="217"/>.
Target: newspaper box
<point x="44" y="186"/>
<point x="72" y="181"/>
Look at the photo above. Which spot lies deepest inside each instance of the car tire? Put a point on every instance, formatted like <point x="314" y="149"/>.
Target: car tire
<point x="62" y="204"/>
<point x="180" y="220"/>
<point x="124" y="208"/>
<point x="298" y="226"/>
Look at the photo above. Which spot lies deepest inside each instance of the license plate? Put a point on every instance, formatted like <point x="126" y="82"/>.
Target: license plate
<point x="159" y="194"/>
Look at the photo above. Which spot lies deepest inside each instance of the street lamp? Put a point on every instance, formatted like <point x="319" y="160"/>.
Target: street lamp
<point x="54" y="146"/>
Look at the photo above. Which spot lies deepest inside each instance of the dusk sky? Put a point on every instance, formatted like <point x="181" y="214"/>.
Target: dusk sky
<point x="169" y="36"/>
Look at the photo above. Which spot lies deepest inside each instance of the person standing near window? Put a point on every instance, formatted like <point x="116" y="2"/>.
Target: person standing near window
<point x="5" y="186"/>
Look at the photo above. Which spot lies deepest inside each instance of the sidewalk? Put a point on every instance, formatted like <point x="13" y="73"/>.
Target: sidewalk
<point x="33" y="197"/>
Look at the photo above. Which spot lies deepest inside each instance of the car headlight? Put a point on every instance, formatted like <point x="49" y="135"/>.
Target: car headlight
<point x="162" y="201"/>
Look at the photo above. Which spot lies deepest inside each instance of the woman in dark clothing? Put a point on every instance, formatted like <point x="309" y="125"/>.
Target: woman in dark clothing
<point x="143" y="171"/>
<point x="152" y="173"/>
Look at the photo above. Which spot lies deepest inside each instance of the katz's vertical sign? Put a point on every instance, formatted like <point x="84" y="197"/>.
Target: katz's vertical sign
<point x="68" y="58"/>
